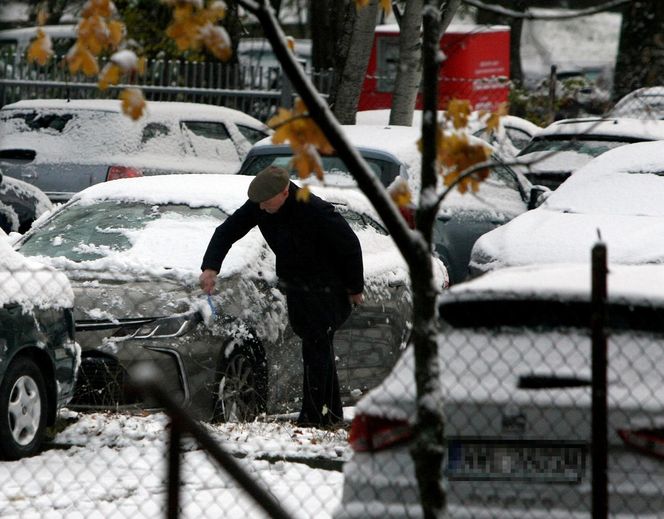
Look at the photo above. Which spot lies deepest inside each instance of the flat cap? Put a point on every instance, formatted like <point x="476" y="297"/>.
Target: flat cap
<point x="267" y="184"/>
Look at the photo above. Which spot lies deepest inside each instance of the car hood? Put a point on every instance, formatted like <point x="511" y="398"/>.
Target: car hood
<point x="545" y="236"/>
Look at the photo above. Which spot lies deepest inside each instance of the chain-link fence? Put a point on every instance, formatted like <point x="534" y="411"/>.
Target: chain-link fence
<point x="521" y="415"/>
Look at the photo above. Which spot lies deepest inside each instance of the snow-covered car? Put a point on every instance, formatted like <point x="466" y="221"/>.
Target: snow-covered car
<point x="512" y="135"/>
<point x="515" y="358"/>
<point x="63" y="146"/>
<point x="617" y="195"/>
<point x="20" y="204"/>
<point x="38" y="354"/>
<point x="391" y="152"/>
<point x="132" y="250"/>
<point x="564" y="146"/>
<point x="642" y="103"/>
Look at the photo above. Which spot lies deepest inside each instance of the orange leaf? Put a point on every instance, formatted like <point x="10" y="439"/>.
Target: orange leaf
<point x="133" y="102"/>
<point x="459" y="111"/>
<point x="400" y="192"/>
<point x="41" y="49"/>
<point x="110" y="75"/>
<point x="303" y="194"/>
<point x="386" y="5"/>
<point x="116" y="32"/>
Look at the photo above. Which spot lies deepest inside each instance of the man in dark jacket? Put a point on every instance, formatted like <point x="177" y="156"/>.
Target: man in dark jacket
<point x="319" y="265"/>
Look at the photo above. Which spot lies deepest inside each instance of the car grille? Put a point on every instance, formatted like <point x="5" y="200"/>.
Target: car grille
<point x="102" y="382"/>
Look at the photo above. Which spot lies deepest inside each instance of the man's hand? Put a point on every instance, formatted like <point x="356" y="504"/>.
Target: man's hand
<point x="207" y="280"/>
<point x="356" y="299"/>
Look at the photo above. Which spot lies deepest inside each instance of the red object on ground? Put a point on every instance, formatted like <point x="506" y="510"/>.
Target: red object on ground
<point x="477" y="67"/>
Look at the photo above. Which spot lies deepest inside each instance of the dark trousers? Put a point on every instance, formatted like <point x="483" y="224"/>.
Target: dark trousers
<point x="315" y="315"/>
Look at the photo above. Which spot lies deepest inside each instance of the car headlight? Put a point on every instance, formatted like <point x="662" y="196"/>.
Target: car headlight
<point x="160" y="327"/>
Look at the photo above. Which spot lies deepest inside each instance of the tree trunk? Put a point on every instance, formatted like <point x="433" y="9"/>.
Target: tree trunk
<point x="428" y="449"/>
<point x="409" y="70"/>
<point x="640" y="60"/>
<point x="326" y="24"/>
<point x="354" y="70"/>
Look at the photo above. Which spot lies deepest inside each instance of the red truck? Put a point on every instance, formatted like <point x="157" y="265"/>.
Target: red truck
<point x="477" y="67"/>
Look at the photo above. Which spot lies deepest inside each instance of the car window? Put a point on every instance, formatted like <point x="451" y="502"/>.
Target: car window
<point x="518" y="137"/>
<point x="85" y="232"/>
<point x="153" y="130"/>
<point x="333" y="166"/>
<point x="211" y="140"/>
<point x="591" y="147"/>
<point x="36" y="121"/>
<point x="251" y="134"/>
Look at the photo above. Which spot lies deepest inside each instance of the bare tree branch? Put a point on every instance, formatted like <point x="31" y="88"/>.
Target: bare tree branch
<point x="528" y="15"/>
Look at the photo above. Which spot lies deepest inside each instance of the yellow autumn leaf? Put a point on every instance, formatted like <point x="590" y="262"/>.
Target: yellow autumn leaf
<point x="41" y="49"/>
<point x="303" y="194"/>
<point x="79" y="59"/>
<point x="110" y="75"/>
<point x="217" y="41"/>
<point x="133" y="102"/>
<point x="116" y="31"/>
<point x="459" y="111"/>
<point x="290" y="43"/>
<point x="400" y="192"/>
<point x="386" y="5"/>
<point x="359" y="4"/>
<point x="97" y="8"/>
<point x="42" y="17"/>
<point x="494" y="119"/>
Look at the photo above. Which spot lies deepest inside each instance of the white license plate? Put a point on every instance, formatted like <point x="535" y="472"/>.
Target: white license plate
<point x="515" y="460"/>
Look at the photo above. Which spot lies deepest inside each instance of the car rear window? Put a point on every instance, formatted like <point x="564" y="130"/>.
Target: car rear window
<point x="587" y="146"/>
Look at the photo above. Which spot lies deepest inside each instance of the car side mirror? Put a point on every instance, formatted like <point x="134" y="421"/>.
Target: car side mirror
<point x="538" y="194"/>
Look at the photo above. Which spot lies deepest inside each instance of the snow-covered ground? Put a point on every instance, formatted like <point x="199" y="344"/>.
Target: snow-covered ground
<point x="105" y="465"/>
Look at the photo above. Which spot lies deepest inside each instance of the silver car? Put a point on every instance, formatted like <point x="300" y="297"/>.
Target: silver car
<point x="515" y="356"/>
<point x="63" y="146"/>
<point x="132" y="250"/>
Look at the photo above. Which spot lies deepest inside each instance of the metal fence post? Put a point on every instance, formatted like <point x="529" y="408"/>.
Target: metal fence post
<point x="599" y="443"/>
<point x="174" y="463"/>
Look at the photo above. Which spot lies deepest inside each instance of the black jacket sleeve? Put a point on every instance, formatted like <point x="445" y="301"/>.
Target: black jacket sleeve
<point x="231" y="230"/>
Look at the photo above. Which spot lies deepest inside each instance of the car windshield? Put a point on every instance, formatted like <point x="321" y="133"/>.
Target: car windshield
<point x="335" y="170"/>
<point x="587" y="146"/>
<point x="86" y="232"/>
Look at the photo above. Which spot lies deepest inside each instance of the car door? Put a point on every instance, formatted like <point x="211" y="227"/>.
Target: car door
<point x="211" y="141"/>
<point x="372" y="338"/>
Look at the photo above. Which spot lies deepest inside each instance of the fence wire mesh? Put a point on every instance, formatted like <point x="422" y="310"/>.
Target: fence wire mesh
<point x="515" y="376"/>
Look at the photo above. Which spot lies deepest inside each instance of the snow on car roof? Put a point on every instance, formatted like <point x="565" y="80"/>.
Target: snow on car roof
<point x="615" y="127"/>
<point x="155" y="109"/>
<point x="29" y="283"/>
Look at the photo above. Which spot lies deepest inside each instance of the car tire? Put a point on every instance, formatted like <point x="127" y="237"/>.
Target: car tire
<point x="23" y="409"/>
<point x="241" y="387"/>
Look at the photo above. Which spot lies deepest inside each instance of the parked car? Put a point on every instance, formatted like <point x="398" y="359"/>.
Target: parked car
<point x="391" y="152"/>
<point x="20" y="204"/>
<point x="512" y="135"/>
<point x="642" y="103"/>
<point x="38" y="354"/>
<point x="64" y="146"/>
<point x="14" y="43"/>
<point x="132" y="250"/>
<point x="617" y="195"/>
<point x="515" y="359"/>
<point x="564" y="146"/>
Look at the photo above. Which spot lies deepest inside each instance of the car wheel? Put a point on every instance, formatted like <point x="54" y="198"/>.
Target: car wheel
<point x="240" y="392"/>
<point x="23" y="408"/>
